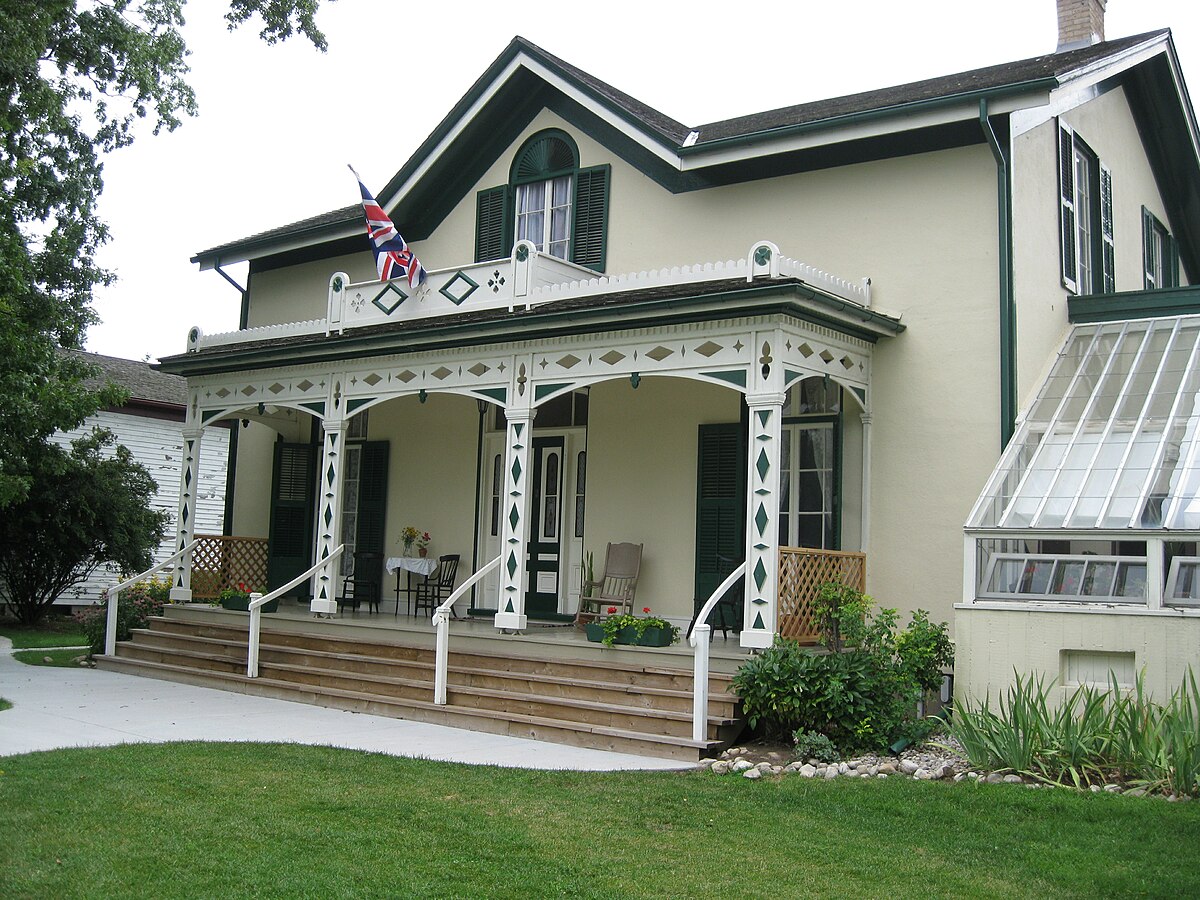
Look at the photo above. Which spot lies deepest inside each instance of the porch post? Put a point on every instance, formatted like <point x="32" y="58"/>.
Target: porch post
<point x="762" y="519"/>
<point x="515" y="542"/>
<point x="185" y="519"/>
<point x="329" y="517"/>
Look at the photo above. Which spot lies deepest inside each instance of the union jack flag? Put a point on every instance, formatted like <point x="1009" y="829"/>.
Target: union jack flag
<point x="393" y="259"/>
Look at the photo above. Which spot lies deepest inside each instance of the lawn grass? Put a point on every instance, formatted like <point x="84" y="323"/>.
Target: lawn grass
<point x="52" y="631"/>
<point x="281" y="820"/>
<point x="51" y="657"/>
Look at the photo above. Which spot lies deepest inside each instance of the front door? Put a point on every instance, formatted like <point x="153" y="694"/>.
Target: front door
<point x="544" y="564"/>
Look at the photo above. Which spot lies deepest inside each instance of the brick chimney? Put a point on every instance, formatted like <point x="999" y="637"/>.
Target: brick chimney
<point x="1080" y="23"/>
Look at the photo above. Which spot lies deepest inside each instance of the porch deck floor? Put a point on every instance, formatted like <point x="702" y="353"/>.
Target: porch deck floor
<point x="539" y="639"/>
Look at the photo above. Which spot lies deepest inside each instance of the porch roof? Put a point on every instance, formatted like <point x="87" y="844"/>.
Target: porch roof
<point x="614" y="311"/>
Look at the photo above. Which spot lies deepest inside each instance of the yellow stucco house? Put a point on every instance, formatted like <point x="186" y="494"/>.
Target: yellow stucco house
<point x="813" y="327"/>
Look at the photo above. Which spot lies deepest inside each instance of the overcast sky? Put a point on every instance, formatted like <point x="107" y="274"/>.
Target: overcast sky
<point x="277" y="125"/>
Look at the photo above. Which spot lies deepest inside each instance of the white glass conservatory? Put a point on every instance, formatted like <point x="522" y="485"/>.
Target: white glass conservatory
<point x="1096" y="502"/>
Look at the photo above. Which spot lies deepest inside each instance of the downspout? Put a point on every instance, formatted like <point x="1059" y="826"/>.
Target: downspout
<point x="235" y="430"/>
<point x="1008" y="311"/>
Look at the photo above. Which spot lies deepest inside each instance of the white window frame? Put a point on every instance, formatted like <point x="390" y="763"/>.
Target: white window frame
<point x="545" y="243"/>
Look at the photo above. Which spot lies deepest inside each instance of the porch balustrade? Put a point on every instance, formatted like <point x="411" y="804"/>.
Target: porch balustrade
<point x="527" y="278"/>
<point x="802" y="571"/>
<point x="221" y="562"/>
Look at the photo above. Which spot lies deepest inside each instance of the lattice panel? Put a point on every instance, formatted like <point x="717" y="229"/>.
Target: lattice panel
<point x="220" y="562"/>
<point x="802" y="571"/>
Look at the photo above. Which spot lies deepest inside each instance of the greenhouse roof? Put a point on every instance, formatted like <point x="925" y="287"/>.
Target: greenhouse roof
<point x="1111" y="441"/>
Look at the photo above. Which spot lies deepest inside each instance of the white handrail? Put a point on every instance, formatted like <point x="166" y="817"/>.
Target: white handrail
<point x="257" y="601"/>
<point x="441" y="621"/>
<point x="699" y="641"/>
<point x="114" y="598"/>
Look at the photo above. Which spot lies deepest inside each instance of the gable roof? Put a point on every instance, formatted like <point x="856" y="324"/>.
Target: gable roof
<point x="143" y="382"/>
<point x="524" y="79"/>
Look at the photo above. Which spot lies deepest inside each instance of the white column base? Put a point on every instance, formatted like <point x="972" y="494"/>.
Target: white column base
<point x="757" y="640"/>
<point x="511" y="621"/>
<point x="181" y="595"/>
<point x="323" y="607"/>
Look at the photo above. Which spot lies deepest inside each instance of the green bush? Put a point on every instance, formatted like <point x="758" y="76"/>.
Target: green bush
<point x="138" y="603"/>
<point x="862" y="694"/>
<point x="1092" y="737"/>
<point x="811" y="745"/>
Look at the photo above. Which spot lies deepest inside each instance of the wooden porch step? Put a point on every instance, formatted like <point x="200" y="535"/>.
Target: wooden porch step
<point x="417" y="684"/>
<point x="586" y="671"/>
<point x="511" y="723"/>
<point x="722" y="704"/>
<point x="607" y="704"/>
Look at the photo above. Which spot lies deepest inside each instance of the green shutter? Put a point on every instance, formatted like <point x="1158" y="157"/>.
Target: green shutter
<point x="1170" y="262"/>
<point x="492" y="226"/>
<point x="1066" y="208"/>
<point x="293" y="489"/>
<point x="720" y="505"/>
<point x="1108" y="253"/>
<point x="372" y="498"/>
<point x="589" y="243"/>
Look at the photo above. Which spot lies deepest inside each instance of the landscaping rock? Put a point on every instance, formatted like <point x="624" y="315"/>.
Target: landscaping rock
<point x="720" y="767"/>
<point x="741" y="765"/>
<point x="1013" y="779"/>
<point x="908" y="767"/>
<point x="752" y="773"/>
<point x="831" y="772"/>
<point x="994" y="778"/>
<point x="808" y="770"/>
<point x="887" y="769"/>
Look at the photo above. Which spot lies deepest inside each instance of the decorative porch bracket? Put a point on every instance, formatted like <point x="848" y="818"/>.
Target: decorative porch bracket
<point x="329" y="515"/>
<point x="185" y="520"/>
<point x="515" y="542"/>
<point x="762" y="526"/>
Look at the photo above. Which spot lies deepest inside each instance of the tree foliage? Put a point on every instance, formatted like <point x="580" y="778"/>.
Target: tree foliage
<point x="76" y="78"/>
<point x="84" y="507"/>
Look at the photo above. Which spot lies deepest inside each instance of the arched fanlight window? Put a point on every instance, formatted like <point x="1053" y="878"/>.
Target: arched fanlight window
<point x="548" y="200"/>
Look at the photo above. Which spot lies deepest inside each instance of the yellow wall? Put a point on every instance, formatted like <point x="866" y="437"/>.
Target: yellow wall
<point x="1106" y="125"/>
<point x="642" y="479"/>
<point x="431" y="471"/>
<point x="991" y="643"/>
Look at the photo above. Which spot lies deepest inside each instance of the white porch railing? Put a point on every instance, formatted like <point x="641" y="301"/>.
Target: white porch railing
<point x="441" y="621"/>
<point x="527" y="278"/>
<point x="114" y="598"/>
<point x="699" y="641"/>
<point x="258" y="601"/>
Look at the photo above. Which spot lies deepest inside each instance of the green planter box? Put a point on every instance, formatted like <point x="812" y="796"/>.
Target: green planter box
<point x="242" y="604"/>
<point x="656" y="637"/>
<point x="651" y="637"/>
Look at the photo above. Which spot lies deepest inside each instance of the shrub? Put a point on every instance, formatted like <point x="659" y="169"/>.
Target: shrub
<point x="138" y="603"/>
<point x="811" y="745"/>
<point x="864" y="693"/>
<point x="925" y="650"/>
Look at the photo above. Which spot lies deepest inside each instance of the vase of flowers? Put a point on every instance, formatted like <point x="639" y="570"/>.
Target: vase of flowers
<point x="423" y="540"/>
<point x="408" y="537"/>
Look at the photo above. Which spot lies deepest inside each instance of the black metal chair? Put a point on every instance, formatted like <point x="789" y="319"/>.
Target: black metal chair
<point x="433" y="591"/>
<point x="728" y="611"/>
<point x="365" y="584"/>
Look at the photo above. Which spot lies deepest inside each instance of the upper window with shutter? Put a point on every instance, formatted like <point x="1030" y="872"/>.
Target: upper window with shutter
<point x="1085" y="217"/>
<point x="1160" y="256"/>
<point x="561" y="208"/>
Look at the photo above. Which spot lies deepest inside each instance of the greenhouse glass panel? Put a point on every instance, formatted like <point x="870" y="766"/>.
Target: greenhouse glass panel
<point x="1110" y="442"/>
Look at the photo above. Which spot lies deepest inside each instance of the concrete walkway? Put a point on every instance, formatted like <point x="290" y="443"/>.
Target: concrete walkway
<point x="67" y="707"/>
